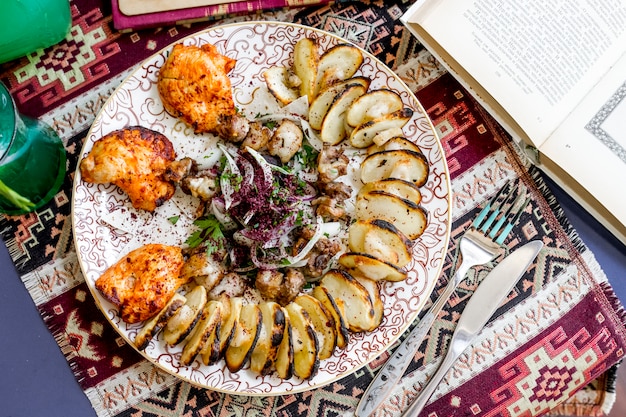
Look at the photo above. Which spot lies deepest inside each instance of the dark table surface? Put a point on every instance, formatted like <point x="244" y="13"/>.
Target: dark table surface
<point x="35" y="379"/>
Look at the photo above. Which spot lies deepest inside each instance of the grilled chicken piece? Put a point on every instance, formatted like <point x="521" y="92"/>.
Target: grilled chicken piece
<point x="143" y="281"/>
<point x="134" y="159"/>
<point x="193" y="84"/>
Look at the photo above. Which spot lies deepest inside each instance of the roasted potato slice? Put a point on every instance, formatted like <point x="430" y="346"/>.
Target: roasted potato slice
<point x="407" y="216"/>
<point x="206" y="332"/>
<point x="153" y="326"/>
<point x="210" y="352"/>
<point x="277" y="81"/>
<point x="180" y="325"/>
<point x="336" y="308"/>
<point x="368" y="266"/>
<point x="305" y="344"/>
<point x="400" y="163"/>
<point x="396" y="186"/>
<point x="360" y="311"/>
<point x="392" y="144"/>
<point x="323" y="324"/>
<point x="283" y="365"/>
<point x="385" y="135"/>
<point x="333" y="129"/>
<point x="363" y="135"/>
<point x="244" y="340"/>
<point x="322" y="102"/>
<point x="381" y="239"/>
<point x="373" y="288"/>
<point x="270" y="337"/>
<point x="232" y="308"/>
<point x="305" y="61"/>
<point x="373" y="105"/>
<point x="337" y="63"/>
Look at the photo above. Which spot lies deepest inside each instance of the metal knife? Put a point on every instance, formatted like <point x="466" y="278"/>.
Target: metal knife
<point x="481" y="306"/>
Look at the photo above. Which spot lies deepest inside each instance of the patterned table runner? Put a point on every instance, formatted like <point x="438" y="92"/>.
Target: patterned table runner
<point x="552" y="348"/>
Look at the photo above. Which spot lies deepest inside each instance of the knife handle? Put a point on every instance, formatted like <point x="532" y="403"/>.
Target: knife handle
<point x="460" y="340"/>
<point x="392" y="371"/>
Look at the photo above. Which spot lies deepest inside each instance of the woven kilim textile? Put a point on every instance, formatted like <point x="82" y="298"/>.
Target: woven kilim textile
<point x="560" y="331"/>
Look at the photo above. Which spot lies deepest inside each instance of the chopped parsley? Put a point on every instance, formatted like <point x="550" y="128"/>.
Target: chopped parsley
<point x="307" y="156"/>
<point x="209" y="233"/>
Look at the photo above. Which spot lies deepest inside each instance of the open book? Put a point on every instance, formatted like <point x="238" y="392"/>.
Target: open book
<point x="553" y="74"/>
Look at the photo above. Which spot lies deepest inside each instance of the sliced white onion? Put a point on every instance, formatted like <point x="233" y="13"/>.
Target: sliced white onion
<point x="219" y="211"/>
<point x="277" y="117"/>
<point x="231" y="168"/>
<point x="311" y="135"/>
<point x="266" y="166"/>
<point x="310" y="244"/>
<point x="331" y="229"/>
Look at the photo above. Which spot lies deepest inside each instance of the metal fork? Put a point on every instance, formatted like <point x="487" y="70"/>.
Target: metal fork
<point x="481" y="243"/>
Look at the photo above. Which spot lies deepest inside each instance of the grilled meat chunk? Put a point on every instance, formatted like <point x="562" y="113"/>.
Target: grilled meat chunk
<point x="143" y="281"/>
<point x="194" y="85"/>
<point x="134" y="159"/>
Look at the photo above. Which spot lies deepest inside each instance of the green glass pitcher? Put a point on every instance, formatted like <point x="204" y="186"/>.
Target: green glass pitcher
<point x="32" y="160"/>
<point x="29" y="25"/>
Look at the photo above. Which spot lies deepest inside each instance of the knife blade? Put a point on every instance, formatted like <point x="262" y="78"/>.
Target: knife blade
<point x="481" y="306"/>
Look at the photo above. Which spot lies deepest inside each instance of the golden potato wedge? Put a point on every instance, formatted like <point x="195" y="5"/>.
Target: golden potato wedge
<point x="333" y="129"/>
<point x="400" y="163"/>
<point x="270" y="337"/>
<point x="363" y="135"/>
<point x="244" y="340"/>
<point x="232" y="309"/>
<point x="180" y="325"/>
<point x="283" y="365"/>
<point x="359" y="309"/>
<point x="305" y="61"/>
<point x="360" y="264"/>
<point x="384" y="135"/>
<point x="373" y="105"/>
<point x="205" y="333"/>
<point x="323" y="324"/>
<point x="392" y="144"/>
<point x="373" y="288"/>
<point x="322" y="102"/>
<point x="405" y="215"/>
<point x="210" y="352"/>
<point x="337" y="63"/>
<point x="395" y="186"/>
<point x="305" y="345"/>
<point x="381" y="239"/>
<point x="153" y="326"/>
<point x="336" y="309"/>
<point x="276" y="78"/>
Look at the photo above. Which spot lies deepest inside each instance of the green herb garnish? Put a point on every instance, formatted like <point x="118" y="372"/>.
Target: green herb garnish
<point x="209" y="233"/>
<point x="18" y="200"/>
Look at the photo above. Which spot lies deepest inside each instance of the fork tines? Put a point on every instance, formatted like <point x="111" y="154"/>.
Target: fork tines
<point x="503" y="209"/>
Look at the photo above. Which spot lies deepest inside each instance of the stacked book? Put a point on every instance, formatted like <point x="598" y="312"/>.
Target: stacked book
<point x="131" y="15"/>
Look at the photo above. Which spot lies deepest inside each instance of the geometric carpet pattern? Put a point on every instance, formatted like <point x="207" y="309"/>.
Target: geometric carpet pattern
<point x="560" y="332"/>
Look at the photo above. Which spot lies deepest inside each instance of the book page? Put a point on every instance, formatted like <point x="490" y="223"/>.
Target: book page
<point x="538" y="59"/>
<point x="591" y="144"/>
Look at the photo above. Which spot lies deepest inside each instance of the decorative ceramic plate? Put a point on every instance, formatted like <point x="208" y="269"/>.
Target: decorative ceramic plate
<point x="106" y="227"/>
